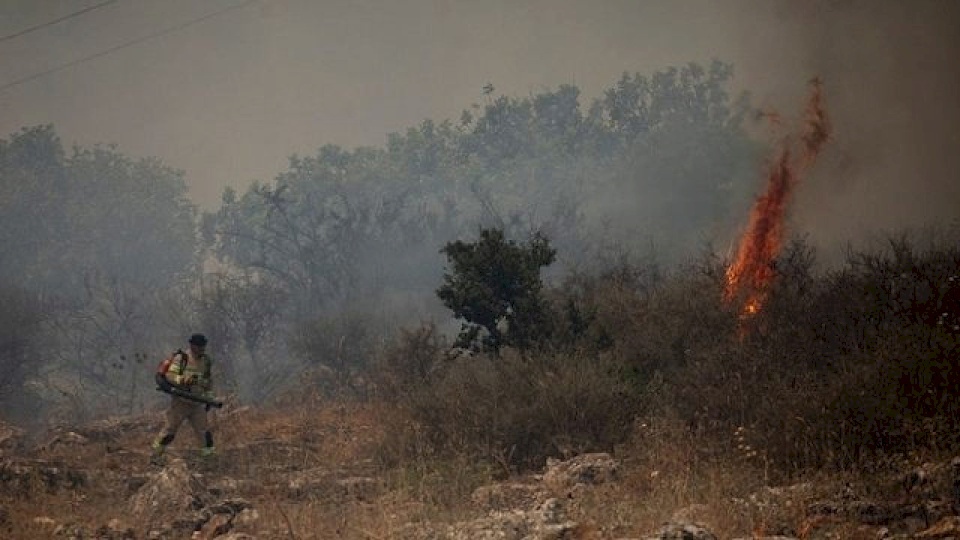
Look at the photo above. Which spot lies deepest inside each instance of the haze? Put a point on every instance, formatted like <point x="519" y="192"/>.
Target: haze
<point x="228" y="97"/>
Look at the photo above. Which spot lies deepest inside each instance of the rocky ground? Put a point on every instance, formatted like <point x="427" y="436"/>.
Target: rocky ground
<point x="316" y="476"/>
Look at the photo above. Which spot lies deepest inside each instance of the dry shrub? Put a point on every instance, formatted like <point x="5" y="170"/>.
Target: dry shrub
<point x="342" y="344"/>
<point x="516" y="411"/>
<point x="906" y="398"/>
<point x="408" y="362"/>
<point x="869" y="344"/>
<point x="837" y="368"/>
<point x="662" y="327"/>
<point x="589" y="311"/>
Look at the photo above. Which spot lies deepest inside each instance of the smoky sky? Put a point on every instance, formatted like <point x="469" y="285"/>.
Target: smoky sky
<point x="892" y="83"/>
<point x="228" y="98"/>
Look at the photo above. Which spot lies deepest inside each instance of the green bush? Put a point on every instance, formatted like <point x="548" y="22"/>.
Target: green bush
<point x="493" y="286"/>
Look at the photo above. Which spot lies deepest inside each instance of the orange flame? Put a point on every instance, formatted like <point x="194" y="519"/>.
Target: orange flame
<point x="752" y="270"/>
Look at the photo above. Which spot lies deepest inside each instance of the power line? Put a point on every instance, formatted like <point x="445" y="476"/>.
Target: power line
<point x="116" y="48"/>
<point x="55" y="21"/>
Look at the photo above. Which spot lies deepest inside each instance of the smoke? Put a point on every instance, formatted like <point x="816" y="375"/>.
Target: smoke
<point x="892" y="81"/>
<point x="228" y="99"/>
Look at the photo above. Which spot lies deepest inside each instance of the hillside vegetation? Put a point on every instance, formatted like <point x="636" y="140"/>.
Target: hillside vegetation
<point x="843" y="391"/>
<point x="511" y="325"/>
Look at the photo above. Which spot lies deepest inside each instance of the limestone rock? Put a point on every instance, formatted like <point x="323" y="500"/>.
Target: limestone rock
<point x="682" y="531"/>
<point x="167" y="496"/>
<point x="508" y="495"/>
<point x="587" y="469"/>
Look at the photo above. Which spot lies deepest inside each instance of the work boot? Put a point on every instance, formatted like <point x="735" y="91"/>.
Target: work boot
<point x="156" y="454"/>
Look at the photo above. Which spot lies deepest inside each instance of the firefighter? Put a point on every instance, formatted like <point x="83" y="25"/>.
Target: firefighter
<point x="188" y="371"/>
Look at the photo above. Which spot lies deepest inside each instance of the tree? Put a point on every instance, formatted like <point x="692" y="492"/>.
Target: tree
<point x="65" y="218"/>
<point x="131" y="218"/>
<point x="20" y="321"/>
<point x="90" y="239"/>
<point x="32" y="201"/>
<point x="494" y="285"/>
<point x="682" y="165"/>
<point x="243" y="316"/>
<point x="308" y="231"/>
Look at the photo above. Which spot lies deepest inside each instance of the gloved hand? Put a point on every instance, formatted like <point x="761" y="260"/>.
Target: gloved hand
<point x="188" y="380"/>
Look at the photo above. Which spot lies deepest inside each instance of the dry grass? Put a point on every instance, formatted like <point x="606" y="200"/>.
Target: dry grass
<point x="254" y="444"/>
<point x="665" y="474"/>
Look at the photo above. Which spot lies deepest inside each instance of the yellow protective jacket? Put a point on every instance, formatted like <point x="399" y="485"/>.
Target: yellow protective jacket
<point x="191" y="372"/>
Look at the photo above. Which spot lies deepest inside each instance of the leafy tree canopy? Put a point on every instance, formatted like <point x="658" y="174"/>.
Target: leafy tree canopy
<point x="494" y="286"/>
<point x="659" y="158"/>
<point x="93" y="214"/>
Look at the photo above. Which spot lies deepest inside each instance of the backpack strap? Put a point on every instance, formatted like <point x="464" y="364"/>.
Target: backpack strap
<point x="181" y="359"/>
<point x="207" y="367"/>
